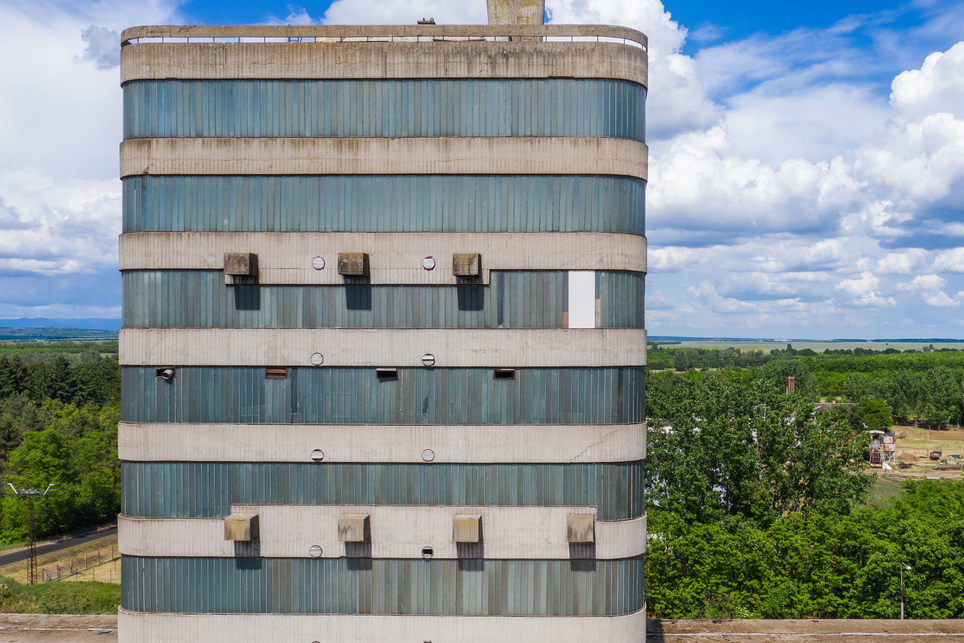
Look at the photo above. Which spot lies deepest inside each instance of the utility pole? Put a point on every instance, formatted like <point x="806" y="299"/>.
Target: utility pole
<point x="30" y="494"/>
<point x="902" y="568"/>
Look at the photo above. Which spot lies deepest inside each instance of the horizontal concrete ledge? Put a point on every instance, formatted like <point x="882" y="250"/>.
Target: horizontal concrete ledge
<point x="395" y="257"/>
<point x="337" y="32"/>
<point x="290" y="531"/>
<point x="381" y="443"/>
<point x="455" y="348"/>
<point x="327" y="156"/>
<point x="290" y="628"/>
<point x="388" y="56"/>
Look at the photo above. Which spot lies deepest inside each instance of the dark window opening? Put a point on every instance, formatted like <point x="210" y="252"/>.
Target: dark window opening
<point x="386" y="374"/>
<point x="165" y="373"/>
<point x="503" y="374"/>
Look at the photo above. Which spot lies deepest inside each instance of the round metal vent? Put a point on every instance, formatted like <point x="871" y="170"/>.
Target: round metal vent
<point x="315" y="551"/>
<point x="317" y="455"/>
<point x="428" y="263"/>
<point x="428" y="359"/>
<point x="428" y="455"/>
<point x="318" y="263"/>
<point x="317" y="359"/>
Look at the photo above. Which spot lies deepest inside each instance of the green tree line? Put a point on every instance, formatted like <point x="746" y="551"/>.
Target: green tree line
<point x="919" y="387"/>
<point x="58" y="424"/>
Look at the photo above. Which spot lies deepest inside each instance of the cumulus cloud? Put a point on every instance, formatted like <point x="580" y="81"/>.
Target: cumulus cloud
<point x="862" y="291"/>
<point x="102" y="46"/>
<point x="901" y="263"/>
<point x="938" y="86"/>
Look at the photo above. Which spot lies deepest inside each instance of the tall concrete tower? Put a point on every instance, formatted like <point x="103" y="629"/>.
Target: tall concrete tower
<point x="383" y="349"/>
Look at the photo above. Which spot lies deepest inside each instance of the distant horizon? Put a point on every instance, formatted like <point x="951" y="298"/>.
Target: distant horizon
<point x="114" y="325"/>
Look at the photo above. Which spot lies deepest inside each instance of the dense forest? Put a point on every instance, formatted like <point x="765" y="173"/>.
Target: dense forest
<point x="59" y="408"/>
<point x="757" y="501"/>
<point x="919" y="387"/>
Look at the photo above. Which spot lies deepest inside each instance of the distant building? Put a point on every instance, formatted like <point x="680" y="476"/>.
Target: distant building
<point x="383" y="349"/>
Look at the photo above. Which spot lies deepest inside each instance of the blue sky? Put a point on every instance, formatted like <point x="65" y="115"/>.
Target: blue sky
<point x="807" y="160"/>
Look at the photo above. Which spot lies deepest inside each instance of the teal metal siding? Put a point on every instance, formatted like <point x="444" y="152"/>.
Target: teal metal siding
<point x="377" y="203"/>
<point x="467" y="587"/>
<point x="208" y="489"/>
<point x="384" y="108"/>
<point x="200" y="299"/>
<point x="354" y="396"/>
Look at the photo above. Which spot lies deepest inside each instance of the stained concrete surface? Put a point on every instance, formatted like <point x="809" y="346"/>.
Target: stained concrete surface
<point x="36" y="628"/>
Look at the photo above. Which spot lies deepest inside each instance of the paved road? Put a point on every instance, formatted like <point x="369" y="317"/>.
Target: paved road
<point x="17" y="556"/>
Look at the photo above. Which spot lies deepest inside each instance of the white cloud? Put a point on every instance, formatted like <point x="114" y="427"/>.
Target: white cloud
<point x="901" y="263"/>
<point x="938" y="86"/>
<point x="863" y="291"/>
<point x="950" y="260"/>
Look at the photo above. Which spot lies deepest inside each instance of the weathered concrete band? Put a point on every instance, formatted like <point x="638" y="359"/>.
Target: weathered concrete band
<point x="397" y="531"/>
<point x="389" y="52"/>
<point x="292" y="628"/>
<point x="393" y="347"/>
<point x="395" y="257"/>
<point x="286" y="34"/>
<point x="445" y="155"/>
<point x="581" y="443"/>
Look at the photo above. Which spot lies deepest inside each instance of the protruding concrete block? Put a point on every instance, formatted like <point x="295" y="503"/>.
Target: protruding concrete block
<point x="354" y="528"/>
<point x="581" y="528"/>
<point x="241" y="264"/>
<point x="241" y="527"/>
<point x="353" y="264"/>
<point x="467" y="264"/>
<point x="467" y="528"/>
<point x="516" y="12"/>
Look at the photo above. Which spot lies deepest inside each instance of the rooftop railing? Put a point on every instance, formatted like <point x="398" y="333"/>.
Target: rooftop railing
<point x="384" y="33"/>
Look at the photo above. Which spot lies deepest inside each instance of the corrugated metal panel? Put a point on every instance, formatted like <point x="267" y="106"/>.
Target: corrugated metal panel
<point x="377" y="203"/>
<point x="199" y="299"/>
<point x="355" y="396"/>
<point x="384" y="108"/>
<point x="468" y="587"/>
<point x="208" y="489"/>
<point x="359" y="586"/>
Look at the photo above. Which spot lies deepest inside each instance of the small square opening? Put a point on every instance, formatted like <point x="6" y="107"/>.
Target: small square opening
<point x="386" y="374"/>
<point x="276" y="373"/>
<point x="503" y="374"/>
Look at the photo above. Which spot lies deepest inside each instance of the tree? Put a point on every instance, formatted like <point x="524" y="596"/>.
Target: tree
<point x="724" y="449"/>
<point x="872" y="414"/>
<point x="685" y="358"/>
<point x="780" y="371"/>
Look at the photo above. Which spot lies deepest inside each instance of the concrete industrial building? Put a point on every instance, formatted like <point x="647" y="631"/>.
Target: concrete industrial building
<point x="383" y="349"/>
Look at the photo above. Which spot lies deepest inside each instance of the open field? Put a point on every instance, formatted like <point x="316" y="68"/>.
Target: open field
<point x="819" y="347"/>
